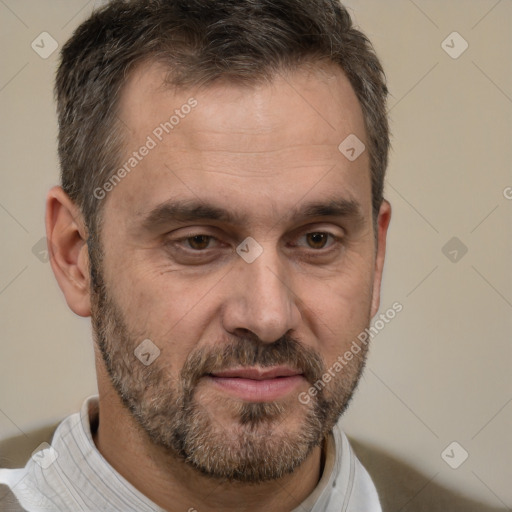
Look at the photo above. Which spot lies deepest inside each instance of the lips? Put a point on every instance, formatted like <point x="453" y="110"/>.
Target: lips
<point x="257" y="384"/>
<point x="257" y="373"/>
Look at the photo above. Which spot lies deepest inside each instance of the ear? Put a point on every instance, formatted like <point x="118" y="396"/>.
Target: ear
<point x="382" y="230"/>
<point x="67" y="248"/>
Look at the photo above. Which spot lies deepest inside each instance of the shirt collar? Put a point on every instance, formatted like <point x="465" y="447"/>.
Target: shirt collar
<point x="109" y="481"/>
<point x="317" y="500"/>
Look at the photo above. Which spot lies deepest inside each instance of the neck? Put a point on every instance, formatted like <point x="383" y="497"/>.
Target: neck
<point x="176" y="486"/>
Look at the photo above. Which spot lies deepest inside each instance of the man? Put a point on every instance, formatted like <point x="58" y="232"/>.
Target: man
<point x="221" y="220"/>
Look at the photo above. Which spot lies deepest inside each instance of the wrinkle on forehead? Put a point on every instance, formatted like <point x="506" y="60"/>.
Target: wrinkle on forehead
<point x="223" y="108"/>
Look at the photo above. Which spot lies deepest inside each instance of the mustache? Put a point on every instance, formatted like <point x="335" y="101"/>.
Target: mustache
<point x="249" y="350"/>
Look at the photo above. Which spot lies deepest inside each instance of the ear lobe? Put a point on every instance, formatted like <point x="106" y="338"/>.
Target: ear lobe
<point x="382" y="228"/>
<point x="67" y="248"/>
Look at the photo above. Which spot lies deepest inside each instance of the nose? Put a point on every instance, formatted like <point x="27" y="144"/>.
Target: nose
<point x="261" y="299"/>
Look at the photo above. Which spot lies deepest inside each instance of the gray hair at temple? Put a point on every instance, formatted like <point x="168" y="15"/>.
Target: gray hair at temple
<point x="200" y="41"/>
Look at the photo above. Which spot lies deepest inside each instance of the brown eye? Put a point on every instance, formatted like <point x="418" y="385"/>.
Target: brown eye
<point x="199" y="242"/>
<point x="317" y="240"/>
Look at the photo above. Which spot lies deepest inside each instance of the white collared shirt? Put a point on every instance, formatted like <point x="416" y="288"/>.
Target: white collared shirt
<point x="72" y="475"/>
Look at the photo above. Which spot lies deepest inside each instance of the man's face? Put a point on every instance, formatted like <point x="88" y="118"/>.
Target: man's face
<point x="241" y="334"/>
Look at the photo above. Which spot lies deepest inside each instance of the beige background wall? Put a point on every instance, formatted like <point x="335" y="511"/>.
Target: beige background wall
<point x="441" y="370"/>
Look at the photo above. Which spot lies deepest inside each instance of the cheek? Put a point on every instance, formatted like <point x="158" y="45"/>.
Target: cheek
<point x="338" y="308"/>
<point x="167" y="308"/>
<point x="178" y="311"/>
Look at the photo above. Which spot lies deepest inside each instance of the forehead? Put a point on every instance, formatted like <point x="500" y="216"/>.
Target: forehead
<point x="243" y="144"/>
<point x="317" y="95"/>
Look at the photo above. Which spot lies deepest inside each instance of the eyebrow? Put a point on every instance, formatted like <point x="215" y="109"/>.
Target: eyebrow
<point x="182" y="211"/>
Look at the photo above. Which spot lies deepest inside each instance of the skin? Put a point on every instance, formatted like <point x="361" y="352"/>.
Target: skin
<point x="259" y="151"/>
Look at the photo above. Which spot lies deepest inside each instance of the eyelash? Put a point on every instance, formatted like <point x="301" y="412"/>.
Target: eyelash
<point x="336" y="240"/>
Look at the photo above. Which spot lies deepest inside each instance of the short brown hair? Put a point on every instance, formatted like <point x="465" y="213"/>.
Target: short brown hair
<point x="200" y="41"/>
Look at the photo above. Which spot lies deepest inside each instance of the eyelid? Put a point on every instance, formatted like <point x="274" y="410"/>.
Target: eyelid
<point x="299" y="233"/>
<point x="183" y="239"/>
<point x="336" y="239"/>
<point x="335" y="230"/>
